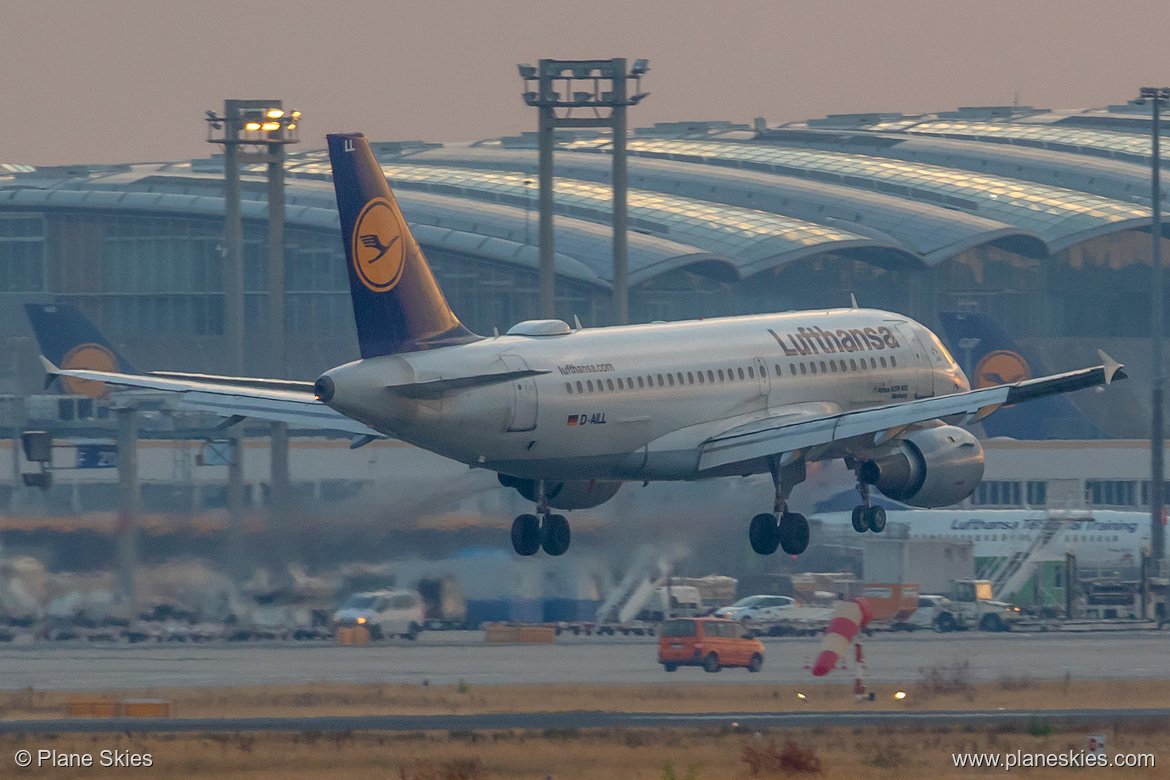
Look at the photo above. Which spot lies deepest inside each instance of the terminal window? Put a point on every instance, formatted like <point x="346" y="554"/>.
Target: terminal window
<point x="1110" y="492"/>
<point x="997" y="492"/>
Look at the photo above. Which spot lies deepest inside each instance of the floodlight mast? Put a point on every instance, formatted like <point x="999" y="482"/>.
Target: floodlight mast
<point x="1157" y="96"/>
<point x="547" y="99"/>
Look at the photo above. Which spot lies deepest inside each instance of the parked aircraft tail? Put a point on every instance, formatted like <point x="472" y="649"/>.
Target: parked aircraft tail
<point x="990" y="356"/>
<point x="397" y="303"/>
<point x="69" y="340"/>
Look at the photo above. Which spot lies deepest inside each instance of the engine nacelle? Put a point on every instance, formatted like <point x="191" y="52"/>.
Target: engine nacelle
<point x="932" y="467"/>
<point x="574" y="494"/>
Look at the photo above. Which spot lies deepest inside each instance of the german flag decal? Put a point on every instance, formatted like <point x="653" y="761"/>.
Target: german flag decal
<point x="572" y="419"/>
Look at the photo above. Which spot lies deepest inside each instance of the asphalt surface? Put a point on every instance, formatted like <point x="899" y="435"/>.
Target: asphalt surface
<point x="588" y="720"/>
<point x="445" y="659"/>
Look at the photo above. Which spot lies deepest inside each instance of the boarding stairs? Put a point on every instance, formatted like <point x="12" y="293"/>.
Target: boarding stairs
<point x="650" y="571"/>
<point x="1009" y="574"/>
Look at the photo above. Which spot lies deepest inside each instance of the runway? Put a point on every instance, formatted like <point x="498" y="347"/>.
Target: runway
<point x="588" y="720"/>
<point x="445" y="659"/>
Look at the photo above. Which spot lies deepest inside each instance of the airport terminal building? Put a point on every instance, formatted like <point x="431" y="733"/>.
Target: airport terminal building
<point x="1038" y="218"/>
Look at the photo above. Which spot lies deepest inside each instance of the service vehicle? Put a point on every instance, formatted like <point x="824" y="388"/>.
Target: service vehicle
<point x="758" y="608"/>
<point x="711" y="643"/>
<point x="971" y="606"/>
<point x="929" y="608"/>
<point x="384" y="613"/>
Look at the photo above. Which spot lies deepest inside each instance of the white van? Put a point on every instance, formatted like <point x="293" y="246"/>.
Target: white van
<point x="675" y="601"/>
<point x="384" y="613"/>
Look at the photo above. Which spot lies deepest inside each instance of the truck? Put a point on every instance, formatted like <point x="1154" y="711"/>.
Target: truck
<point x="970" y="606"/>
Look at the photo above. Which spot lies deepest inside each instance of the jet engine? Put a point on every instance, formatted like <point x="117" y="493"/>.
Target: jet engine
<point x="931" y="467"/>
<point x="574" y="494"/>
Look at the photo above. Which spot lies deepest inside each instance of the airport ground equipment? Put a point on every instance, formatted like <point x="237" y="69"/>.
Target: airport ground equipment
<point x="972" y="606"/>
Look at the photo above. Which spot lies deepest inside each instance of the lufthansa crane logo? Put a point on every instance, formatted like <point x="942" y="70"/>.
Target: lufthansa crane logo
<point x="94" y="357"/>
<point x="1000" y="368"/>
<point x="379" y="245"/>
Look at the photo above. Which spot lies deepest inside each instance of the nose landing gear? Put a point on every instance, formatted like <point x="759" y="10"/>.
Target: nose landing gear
<point x="532" y="532"/>
<point x="781" y="528"/>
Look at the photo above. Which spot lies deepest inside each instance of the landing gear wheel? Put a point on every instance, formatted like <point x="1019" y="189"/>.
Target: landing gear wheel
<point x="554" y="534"/>
<point x="526" y="535"/>
<point x="860" y="522"/>
<point x="875" y="518"/>
<point x="764" y="534"/>
<point x="756" y="663"/>
<point x="670" y="667"/>
<point x="793" y="533"/>
<point x="711" y="664"/>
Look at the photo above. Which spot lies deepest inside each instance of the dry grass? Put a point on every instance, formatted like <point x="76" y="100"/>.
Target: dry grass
<point x="938" y="689"/>
<point x="660" y="754"/>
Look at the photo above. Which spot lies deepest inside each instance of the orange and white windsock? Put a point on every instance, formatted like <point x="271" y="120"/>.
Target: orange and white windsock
<point x="849" y="617"/>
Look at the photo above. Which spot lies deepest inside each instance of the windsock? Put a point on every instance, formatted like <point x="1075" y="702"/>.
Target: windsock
<point x="849" y="617"/>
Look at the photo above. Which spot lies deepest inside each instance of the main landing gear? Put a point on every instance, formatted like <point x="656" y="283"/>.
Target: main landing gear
<point x="781" y="528"/>
<point x="866" y="517"/>
<point x="532" y="532"/>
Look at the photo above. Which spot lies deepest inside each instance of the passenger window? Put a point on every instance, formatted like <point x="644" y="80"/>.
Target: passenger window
<point x="620" y="385"/>
<point x="824" y="370"/>
<point x="609" y="384"/>
<point x="852" y="364"/>
<point x="741" y="373"/>
<point x="862" y="363"/>
<point x="579" y="388"/>
<point x="721" y="375"/>
<point x="568" y="388"/>
<point x="883" y="361"/>
<point x="843" y="366"/>
<point x="812" y="367"/>
<point x="700" y="377"/>
<point x="833" y="366"/>
<point x="710" y="376"/>
<point x="641" y="384"/>
<point x="777" y="369"/>
<point x="690" y="378"/>
<point x="873" y="363"/>
<point x="893" y="361"/>
<point x="680" y="378"/>
<point x="670" y="379"/>
<point x="792" y="368"/>
<point x="803" y="370"/>
<point x="660" y="380"/>
<point x="589" y="384"/>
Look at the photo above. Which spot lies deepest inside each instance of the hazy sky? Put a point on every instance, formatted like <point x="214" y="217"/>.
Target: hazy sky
<point x="122" y="81"/>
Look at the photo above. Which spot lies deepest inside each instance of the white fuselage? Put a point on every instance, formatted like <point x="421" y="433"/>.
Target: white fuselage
<point x="1097" y="537"/>
<point x="636" y="402"/>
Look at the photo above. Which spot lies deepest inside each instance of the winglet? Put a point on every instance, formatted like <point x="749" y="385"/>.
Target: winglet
<point x="852" y="301"/>
<point x="1113" y="369"/>
<point x="51" y="371"/>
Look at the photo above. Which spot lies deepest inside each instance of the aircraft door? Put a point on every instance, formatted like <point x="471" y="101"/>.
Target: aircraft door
<point x="524" y="398"/>
<point x="921" y="377"/>
<point x="762" y="374"/>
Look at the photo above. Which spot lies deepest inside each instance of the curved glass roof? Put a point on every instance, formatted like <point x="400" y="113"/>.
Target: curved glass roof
<point x="1104" y="143"/>
<point x="755" y="239"/>
<point x="931" y="231"/>
<point x="1059" y="216"/>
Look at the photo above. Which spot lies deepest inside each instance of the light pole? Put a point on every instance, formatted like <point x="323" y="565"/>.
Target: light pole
<point x="592" y="86"/>
<point x="1156" y="96"/>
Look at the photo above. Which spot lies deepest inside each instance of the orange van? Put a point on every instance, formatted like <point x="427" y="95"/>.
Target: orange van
<point x="711" y="643"/>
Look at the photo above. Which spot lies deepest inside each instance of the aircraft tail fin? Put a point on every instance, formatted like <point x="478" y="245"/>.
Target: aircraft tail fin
<point x="397" y="304"/>
<point x="990" y="356"/>
<point x="69" y="340"/>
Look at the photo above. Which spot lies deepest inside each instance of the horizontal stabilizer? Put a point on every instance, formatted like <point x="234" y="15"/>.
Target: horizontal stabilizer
<point x="436" y="388"/>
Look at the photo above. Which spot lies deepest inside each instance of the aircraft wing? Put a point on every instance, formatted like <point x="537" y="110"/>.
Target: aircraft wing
<point x="773" y="437"/>
<point x="273" y="400"/>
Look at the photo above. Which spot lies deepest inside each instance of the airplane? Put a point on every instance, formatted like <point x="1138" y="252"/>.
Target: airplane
<point x="566" y="415"/>
<point x="1098" y="537"/>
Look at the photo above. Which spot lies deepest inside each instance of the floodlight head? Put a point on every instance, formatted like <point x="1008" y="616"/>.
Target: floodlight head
<point x="526" y="71"/>
<point x="211" y="115"/>
<point x="640" y="67"/>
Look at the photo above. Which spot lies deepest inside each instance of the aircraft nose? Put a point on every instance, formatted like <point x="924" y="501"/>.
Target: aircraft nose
<point x="324" y="389"/>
